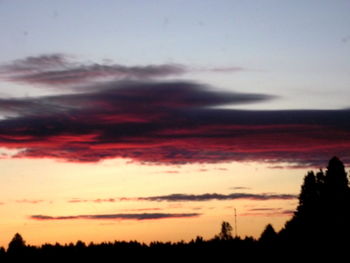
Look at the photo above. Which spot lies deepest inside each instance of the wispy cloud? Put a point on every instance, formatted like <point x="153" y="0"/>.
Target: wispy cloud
<point x="59" y="69"/>
<point x="171" y="172"/>
<point x="34" y="64"/>
<point x="144" y="209"/>
<point x="125" y="216"/>
<point x="29" y="201"/>
<point x="268" y="212"/>
<point x="226" y="69"/>
<point x="98" y="200"/>
<point x="180" y="197"/>
<point x="215" y="196"/>
<point x="239" y="188"/>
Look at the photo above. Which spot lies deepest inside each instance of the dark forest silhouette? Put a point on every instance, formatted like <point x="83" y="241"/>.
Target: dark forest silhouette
<point x="320" y="227"/>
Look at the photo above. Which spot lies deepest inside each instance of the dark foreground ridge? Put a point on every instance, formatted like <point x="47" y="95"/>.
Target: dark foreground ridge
<point x="319" y="229"/>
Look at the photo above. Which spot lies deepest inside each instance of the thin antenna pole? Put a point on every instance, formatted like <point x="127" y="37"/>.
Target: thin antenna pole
<point x="236" y="224"/>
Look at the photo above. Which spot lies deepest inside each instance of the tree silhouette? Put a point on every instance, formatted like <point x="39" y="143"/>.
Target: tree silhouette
<point x="336" y="177"/>
<point x="336" y="200"/>
<point x="226" y="231"/>
<point x="323" y="213"/>
<point x="269" y="235"/>
<point x="309" y="197"/>
<point x="17" y="245"/>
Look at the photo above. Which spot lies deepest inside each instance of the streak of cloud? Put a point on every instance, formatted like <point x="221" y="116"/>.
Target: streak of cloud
<point x="215" y="196"/>
<point x="29" y="201"/>
<point x="239" y="188"/>
<point x="98" y="200"/>
<point x="268" y="212"/>
<point x="125" y="216"/>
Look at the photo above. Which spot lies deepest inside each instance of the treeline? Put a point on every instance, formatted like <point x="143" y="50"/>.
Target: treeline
<point x="217" y="249"/>
<point x="320" y="228"/>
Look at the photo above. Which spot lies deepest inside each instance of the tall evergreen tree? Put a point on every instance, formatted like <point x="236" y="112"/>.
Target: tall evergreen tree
<point x="323" y="213"/>
<point x="269" y="235"/>
<point x="17" y="245"/>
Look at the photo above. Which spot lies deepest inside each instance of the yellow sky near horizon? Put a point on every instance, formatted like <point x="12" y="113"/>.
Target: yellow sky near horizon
<point x="47" y="187"/>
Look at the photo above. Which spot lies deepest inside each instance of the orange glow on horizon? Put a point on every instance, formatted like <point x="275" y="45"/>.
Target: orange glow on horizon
<point x="68" y="189"/>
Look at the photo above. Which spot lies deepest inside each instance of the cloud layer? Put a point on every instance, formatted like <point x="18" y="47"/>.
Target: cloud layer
<point x="169" y="122"/>
<point x="140" y="216"/>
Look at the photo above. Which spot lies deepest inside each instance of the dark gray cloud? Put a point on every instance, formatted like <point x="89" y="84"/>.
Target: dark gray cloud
<point x="126" y="216"/>
<point x="34" y="64"/>
<point x="215" y="196"/>
<point x="130" y="98"/>
<point x="59" y="70"/>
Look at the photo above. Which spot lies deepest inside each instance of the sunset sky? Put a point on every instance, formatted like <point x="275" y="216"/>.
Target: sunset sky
<point x="155" y="120"/>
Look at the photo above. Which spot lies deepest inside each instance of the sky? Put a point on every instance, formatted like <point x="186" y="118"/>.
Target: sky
<point x="157" y="120"/>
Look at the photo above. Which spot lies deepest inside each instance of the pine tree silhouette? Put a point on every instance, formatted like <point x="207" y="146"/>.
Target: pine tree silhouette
<point x="268" y="236"/>
<point x="323" y="214"/>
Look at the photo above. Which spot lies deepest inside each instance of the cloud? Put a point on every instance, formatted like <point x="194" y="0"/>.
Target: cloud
<point x="58" y="70"/>
<point x="145" y="209"/>
<point x="191" y="198"/>
<point x="346" y="39"/>
<point x="144" y="121"/>
<point x="167" y="122"/>
<point x="221" y="169"/>
<point x="239" y="188"/>
<point x="268" y="212"/>
<point x="265" y="209"/>
<point x="98" y="200"/>
<point x="27" y="201"/>
<point x="215" y="196"/>
<point x="140" y="216"/>
<point x="226" y="69"/>
<point x="34" y="64"/>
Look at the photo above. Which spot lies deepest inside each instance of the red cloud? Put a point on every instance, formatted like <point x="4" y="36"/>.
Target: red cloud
<point x="171" y="123"/>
